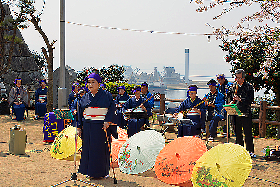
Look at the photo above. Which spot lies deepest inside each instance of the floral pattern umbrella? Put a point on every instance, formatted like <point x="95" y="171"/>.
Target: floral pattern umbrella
<point x="64" y="144"/>
<point x="139" y="152"/>
<point x="176" y="160"/>
<point x="224" y="165"/>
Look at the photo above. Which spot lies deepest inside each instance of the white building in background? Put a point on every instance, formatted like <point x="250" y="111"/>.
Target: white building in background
<point x="170" y="76"/>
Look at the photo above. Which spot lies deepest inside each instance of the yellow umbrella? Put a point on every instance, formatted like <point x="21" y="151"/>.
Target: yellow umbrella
<point x="224" y="165"/>
<point x="64" y="143"/>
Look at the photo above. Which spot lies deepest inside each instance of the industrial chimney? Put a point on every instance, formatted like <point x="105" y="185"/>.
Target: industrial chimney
<point x="187" y="52"/>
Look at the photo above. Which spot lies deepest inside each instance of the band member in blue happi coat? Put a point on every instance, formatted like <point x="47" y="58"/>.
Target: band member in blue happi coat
<point x="121" y="98"/>
<point x="72" y="96"/>
<point x="196" y="104"/>
<point x="223" y="87"/>
<point x="134" y="124"/>
<point x="214" y="102"/>
<point x="96" y="110"/>
<point x="18" y="99"/>
<point x="41" y="100"/>
<point x="148" y="96"/>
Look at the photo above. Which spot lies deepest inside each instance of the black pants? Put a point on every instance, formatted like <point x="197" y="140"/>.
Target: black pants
<point x="246" y="123"/>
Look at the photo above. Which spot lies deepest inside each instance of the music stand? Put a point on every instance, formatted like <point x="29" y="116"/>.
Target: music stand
<point x="232" y="110"/>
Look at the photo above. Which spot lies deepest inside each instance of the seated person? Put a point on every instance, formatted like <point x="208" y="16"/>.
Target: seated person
<point x="41" y="100"/>
<point x="72" y="96"/>
<point x="18" y="99"/>
<point x="120" y="100"/>
<point x="193" y="109"/>
<point x="134" y="124"/>
<point x="214" y="102"/>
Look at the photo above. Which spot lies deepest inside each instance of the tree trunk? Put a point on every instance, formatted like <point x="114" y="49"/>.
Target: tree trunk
<point x="49" y="57"/>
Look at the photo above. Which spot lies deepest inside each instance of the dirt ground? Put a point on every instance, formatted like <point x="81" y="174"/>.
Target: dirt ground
<point x="38" y="168"/>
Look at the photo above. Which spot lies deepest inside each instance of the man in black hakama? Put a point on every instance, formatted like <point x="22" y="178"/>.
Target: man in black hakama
<point x="95" y="159"/>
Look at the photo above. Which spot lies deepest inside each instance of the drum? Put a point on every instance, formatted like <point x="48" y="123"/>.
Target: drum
<point x="186" y="128"/>
<point x="135" y="114"/>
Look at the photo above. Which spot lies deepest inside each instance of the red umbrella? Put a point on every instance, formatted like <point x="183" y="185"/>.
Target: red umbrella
<point x="176" y="160"/>
<point x="117" y="143"/>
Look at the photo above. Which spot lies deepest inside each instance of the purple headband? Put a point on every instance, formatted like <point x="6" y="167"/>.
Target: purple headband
<point x="121" y="87"/>
<point x="221" y="76"/>
<point x="144" y="84"/>
<point x="43" y="80"/>
<point x="213" y="84"/>
<point x="191" y="89"/>
<point x="136" y="89"/>
<point x="16" y="80"/>
<point x="74" y="85"/>
<point x="95" y="76"/>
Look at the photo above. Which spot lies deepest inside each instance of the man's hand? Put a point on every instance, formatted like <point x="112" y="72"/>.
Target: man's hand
<point x="197" y="110"/>
<point x="106" y="125"/>
<point x="142" y="106"/>
<point x="79" y="132"/>
<point x="236" y="98"/>
<point x="74" y="112"/>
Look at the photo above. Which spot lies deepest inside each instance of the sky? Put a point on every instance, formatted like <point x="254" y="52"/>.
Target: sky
<point x="95" y="47"/>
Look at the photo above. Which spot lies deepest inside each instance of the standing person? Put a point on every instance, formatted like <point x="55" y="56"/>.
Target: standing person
<point x="146" y="94"/>
<point x="223" y="87"/>
<point x="95" y="158"/>
<point x="214" y="102"/>
<point x="134" y="124"/>
<point x="149" y="97"/>
<point x="193" y="102"/>
<point x="72" y="96"/>
<point x="41" y="100"/>
<point x="121" y="98"/>
<point x="242" y="93"/>
<point x="18" y="99"/>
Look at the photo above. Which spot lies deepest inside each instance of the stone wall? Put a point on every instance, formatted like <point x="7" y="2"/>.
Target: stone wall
<point x="70" y="78"/>
<point x="22" y="64"/>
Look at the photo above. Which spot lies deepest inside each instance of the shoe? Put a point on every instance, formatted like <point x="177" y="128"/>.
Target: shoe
<point x="210" y="139"/>
<point x="253" y="155"/>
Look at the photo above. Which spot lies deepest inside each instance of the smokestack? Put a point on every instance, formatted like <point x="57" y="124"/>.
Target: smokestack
<point x="187" y="52"/>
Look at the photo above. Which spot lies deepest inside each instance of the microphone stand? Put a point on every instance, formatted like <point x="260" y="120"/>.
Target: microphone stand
<point x="74" y="175"/>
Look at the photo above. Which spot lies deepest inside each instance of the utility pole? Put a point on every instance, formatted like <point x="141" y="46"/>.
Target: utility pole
<point x="62" y="90"/>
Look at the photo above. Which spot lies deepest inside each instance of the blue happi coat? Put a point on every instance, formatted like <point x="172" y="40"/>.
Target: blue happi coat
<point x="134" y="125"/>
<point x="40" y="108"/>
<point x="198" y="121"/>
<point x="71" y="98"/>
<point x="95" y="155"/>
<point x="120" y="120"/>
